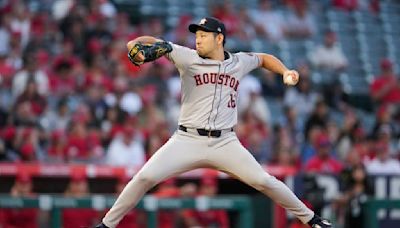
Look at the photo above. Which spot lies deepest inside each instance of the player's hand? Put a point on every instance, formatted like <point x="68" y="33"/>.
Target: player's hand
<point x="135" y="53"/>
<point x="139" y="57"/>
<point x="290" y="77"/>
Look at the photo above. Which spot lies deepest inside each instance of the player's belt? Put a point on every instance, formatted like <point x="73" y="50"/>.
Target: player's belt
<point x="204" y="132"/>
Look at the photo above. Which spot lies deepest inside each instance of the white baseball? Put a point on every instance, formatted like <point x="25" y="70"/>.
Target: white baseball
<point x="290" y="77"/>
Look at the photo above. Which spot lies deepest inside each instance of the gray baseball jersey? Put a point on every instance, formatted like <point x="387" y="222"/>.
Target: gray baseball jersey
<point x="210" y="87"/>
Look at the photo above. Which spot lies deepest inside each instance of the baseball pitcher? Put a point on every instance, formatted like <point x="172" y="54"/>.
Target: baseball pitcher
<point x="210" y="78"/>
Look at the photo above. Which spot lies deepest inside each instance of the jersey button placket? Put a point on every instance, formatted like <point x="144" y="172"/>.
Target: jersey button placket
<point x="217" y="96"/>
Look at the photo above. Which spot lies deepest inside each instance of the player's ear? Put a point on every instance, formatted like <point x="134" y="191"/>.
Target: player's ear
<point x="220" y="38"/>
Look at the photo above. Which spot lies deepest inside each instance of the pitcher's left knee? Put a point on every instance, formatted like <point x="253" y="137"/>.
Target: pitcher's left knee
<point x="263" y="182"/>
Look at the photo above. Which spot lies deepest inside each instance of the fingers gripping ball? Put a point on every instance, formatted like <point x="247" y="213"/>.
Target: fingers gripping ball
<point x="290" y="77"/>
<point x="149" y="52"/>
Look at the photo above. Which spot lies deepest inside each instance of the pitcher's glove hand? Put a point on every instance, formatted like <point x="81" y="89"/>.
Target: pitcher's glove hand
<point x="148" y="52"/>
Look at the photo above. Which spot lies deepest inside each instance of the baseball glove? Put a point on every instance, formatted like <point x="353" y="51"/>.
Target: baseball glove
<point x="150" y="52"/>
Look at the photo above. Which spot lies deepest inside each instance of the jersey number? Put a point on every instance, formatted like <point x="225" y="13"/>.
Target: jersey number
<point x="232" y="101"/>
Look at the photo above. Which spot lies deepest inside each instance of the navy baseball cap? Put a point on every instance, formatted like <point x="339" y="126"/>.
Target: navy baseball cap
<point x="209" y="24"/>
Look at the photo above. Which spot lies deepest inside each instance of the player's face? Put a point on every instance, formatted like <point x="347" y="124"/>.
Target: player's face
<point x="206" y="42"/>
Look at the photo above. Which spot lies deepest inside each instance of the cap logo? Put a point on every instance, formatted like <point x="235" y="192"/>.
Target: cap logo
<point x="219" y="29"/>
<point x="203" y="21"/>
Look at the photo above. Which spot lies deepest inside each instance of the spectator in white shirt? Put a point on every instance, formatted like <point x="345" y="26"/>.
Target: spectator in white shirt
<point x="383" y="164"/>
<point x="301" y="97"/>
<point x="328" y="56"/>
<point x="126" y="149"/>
<point x="20" y="22"/>
<point x="268" y="22"/>
<point x="57" y="119"/>
<point x="300" y="22"/>
<point x="251" y="99"/>
<point x="30" y="70"/>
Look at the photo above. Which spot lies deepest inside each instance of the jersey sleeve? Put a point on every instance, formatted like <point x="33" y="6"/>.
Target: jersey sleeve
<point x="181" y="56"/>
<point x="248" y="61"/>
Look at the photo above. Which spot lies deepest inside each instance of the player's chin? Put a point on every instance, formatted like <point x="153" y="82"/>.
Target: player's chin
<point x="202" y="54"/>
<point x="199" y="52"/>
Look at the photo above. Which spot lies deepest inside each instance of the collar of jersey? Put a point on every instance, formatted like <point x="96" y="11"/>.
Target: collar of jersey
<point x="227" y="56"/>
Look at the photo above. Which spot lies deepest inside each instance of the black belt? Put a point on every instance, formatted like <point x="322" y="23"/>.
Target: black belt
<point x="204" y="132"/>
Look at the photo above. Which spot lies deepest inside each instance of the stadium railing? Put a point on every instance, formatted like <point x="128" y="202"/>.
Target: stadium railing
<point x="371" y="208"/>
<point x="150" y="204"/>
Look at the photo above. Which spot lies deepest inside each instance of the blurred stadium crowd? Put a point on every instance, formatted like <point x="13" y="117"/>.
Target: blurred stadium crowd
<point x="68" y="93"/>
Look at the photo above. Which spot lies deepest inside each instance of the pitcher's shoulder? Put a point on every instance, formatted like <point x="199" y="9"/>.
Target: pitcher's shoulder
<point x="244" y="54"/>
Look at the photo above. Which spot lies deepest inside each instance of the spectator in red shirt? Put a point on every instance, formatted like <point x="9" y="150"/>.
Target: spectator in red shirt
<point x="95" y="73"/>
<point x="22" y="186"/>
<point x="346" y="4"/>
<point x="167" y="189"/>
<point x="385" y="89"/>
<point x="351" y="5"/>
<point x="188" y="190"/>
<point x="62" y="81"/>
<point x="66" y="53"/>
<point x="55" y="152"/>
<point x="6" y="71"/>
<point x="209" y="218"/>
<point x="21" y="218"/>
<point x="123" y="27"/>
<point x="2" y="217"/>
<point x="82" y="145"/>
<point x="73" y="217"/>
<point x="27" y="144"/>
<point x="67" y="60"/>
<point x="31" y="96"/>
<point x="323" y="161"/>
